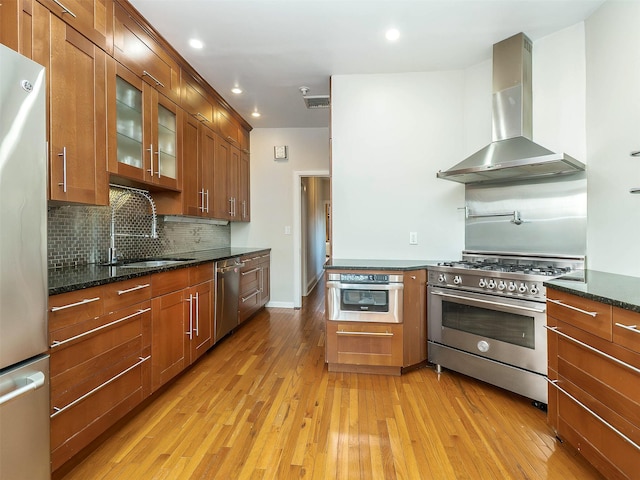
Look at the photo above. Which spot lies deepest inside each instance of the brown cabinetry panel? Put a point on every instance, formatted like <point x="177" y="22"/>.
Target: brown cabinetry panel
<point x="359" y="343"/>
<point x="127" y="292"/>
<point x="414" y="317"/>
<point x="582" y="313"/>
<point x="76" y="70"/>
<point x="626" y="329"/>
<point x="170" y="343"/>
<point x="144" y="56"/>
<point x="254" y="284"/>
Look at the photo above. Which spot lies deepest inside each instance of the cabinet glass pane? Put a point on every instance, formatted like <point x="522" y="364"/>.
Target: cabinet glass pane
<point x="167" y="142"/>
<point x="129" y="123"/>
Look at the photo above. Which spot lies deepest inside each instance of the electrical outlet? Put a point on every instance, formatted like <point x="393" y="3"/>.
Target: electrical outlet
<point x="287" y="230"/>
<point x="413" y="238"/>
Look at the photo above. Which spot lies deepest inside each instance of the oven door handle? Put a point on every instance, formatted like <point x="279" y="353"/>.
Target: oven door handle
<point x="529" y="309"/>
<point x="365" y="286"/>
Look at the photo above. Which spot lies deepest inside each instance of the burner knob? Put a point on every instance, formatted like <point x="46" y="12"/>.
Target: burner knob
<point x="512" y="287"/>
<point x="482" y="283"/>
<point x="502" y="285"/>
<point x="441" y="278"/>
<point x="534" y="290"/>
<point x="522" y="288"/>
<point x="457" y="279"/>
<point x="491" y="284"/>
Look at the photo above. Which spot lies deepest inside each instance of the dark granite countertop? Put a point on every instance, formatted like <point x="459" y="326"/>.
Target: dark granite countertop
<point x="608" y="288"/>
<point x="364" y="264"/>
<point x="77" y="278"/>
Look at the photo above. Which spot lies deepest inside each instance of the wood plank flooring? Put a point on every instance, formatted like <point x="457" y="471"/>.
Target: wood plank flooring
<point x="262" y="405"/>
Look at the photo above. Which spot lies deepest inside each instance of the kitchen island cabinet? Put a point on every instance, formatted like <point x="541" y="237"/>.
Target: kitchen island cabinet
<point x="594" y="373"/>
<point x="385" y="348"/>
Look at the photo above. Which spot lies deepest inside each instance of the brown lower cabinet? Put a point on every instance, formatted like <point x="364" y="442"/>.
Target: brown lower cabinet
<point x="384" y="348"/>
<point x="594" y="374"/>
<point x="113" y="345"/>
<point x="254" y="284"/>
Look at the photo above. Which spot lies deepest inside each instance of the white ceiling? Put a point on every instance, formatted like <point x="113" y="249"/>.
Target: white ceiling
<point x="270" y="48"/>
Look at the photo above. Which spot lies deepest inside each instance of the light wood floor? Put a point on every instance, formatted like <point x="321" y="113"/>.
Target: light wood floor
<point x="261" y="405"/>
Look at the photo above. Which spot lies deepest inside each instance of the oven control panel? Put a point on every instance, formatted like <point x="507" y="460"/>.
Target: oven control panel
<point x="479" y="282"/>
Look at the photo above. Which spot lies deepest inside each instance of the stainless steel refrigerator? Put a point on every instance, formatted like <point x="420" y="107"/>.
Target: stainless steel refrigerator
<point x="24" y="364"/>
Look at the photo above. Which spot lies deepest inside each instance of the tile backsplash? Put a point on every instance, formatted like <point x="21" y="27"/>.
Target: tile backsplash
<point x="79" y="234"/>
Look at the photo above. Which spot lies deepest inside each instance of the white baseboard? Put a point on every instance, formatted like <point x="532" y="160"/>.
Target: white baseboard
<point x="279" y="305"/>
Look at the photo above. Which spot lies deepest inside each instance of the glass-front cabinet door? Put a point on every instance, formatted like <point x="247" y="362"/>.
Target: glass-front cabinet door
<point x="143" y="133"/>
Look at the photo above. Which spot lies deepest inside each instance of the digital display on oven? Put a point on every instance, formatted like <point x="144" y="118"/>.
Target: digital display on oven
<point x="363" y="278"/>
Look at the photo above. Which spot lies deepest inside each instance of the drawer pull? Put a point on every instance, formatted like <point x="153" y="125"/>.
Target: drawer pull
<point x="64" y="9"/>
<point x="594" y="350"/>
<point x="557" y="302"/>
<point x="139" y="287"/>
<point x="158" y="82"/>
<point x="250" y="271"/>
<point x="266" y="256"/>
<point x="203" y="117"/>
<point x="631" y="328"/>
<point x="366" y="334"/>
<point x="57" y="343"/>
<point x="595" y="415"/>
<point x="77" y="304"/>
<point x="244" y="299"/>
<point x="58" y="410"/>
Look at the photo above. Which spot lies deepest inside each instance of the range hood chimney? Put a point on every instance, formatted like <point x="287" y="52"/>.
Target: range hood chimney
<point x="512" y="155"/>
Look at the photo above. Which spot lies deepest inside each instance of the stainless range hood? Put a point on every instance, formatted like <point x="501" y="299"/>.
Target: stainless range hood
<point x="512" y="155"/>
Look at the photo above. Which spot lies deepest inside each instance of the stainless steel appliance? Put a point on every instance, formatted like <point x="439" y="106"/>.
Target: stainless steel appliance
<point x="363" y="297"/>
<point x="24" y="364"/>
<point x="227" y="291"/>
<point x="487" y="316"/>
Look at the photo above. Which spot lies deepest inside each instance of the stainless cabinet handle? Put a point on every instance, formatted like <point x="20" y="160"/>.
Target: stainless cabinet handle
<point x="266" y="256"/>
<point x="77" y="304"/>
<point x="231" y="139"/>
<point x="64" y="9"/>
<point x="158" y="82"/>
<point x="129" y="290"/>
<point x="58" y="411"/>
<point x="197" y="315"/>
<point x="230" y="207"/>
<point x="631" y="328"/>
<point x="571" y="307"/>
<point x="635" y="153"/>
<point x="594" y="350"/>
<point x="261" y="280"/>
<point x="31" y="382"/>
<point x="150" y="150"/>
<point x="500" y="304"/>
<point x="190" y="331"/>
<point x="244" y="299"/>
<point x="366" y="334"/>
<point x="207" y="201"/>
<point x="57" y="343"/>
<point x="244" y="209"/>
<point x="594" y="414"/>
<point x="203" y="117"/>
<point x="201" y="193"/>
<point x="249" y="272"/>
<point x="64" y="168"/>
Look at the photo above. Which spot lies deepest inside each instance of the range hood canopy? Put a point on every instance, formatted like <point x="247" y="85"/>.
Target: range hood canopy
<point x="512" y="155"/>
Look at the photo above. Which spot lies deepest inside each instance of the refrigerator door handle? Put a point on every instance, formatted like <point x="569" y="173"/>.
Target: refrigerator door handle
<point x="31" y="382"/>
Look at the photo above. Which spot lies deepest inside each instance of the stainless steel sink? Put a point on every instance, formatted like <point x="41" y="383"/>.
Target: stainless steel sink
<point x="152" y="263"/>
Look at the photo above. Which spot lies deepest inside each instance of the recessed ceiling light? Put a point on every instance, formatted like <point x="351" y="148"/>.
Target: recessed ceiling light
<point x="195" y="43"/>
<point x="392" y="34"/>
<point x="255" y="114"/>
<point x="236" y="90"/>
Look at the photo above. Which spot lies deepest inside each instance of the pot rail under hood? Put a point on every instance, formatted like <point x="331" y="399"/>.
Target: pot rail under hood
<point x="512" y="155"/>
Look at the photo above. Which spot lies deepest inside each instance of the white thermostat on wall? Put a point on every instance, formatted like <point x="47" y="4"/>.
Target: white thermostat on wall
<point x="280" y="152"/>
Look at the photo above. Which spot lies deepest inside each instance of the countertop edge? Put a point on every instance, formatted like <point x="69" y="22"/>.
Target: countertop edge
<point x="103" y="276"/>
<point x="608" y="288"/>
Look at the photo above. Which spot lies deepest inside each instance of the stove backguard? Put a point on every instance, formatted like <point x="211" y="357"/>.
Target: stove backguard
<point x="542" y="217"/>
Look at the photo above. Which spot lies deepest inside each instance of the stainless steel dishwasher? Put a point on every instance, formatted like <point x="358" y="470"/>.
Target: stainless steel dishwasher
<point x="227" y="290"/>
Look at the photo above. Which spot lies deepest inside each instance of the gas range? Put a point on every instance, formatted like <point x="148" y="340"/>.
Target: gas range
<point x="513" y="275"/>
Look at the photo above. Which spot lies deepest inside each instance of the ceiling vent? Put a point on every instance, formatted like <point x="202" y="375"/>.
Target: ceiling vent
<point x="315" y="101"/>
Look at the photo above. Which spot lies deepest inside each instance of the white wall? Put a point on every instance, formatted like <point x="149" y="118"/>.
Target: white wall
<point x="390" y="135"/>
<point x="613" y="127"/>
<point x="272" y="198"/>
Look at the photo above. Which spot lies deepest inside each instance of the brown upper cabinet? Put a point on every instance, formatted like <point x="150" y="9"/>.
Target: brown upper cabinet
<point x="144" y="56"/>
<point x="195" y="100"/>
<point x="144" y="131"/>
<point x="92" y="18"/>
<point x="76" y="104"/>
